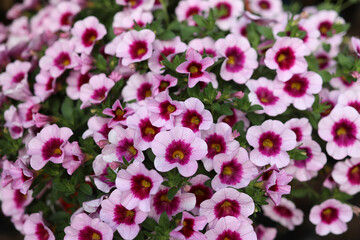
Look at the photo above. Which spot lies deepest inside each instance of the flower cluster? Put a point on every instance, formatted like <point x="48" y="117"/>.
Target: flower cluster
<point x="188" y="119"/>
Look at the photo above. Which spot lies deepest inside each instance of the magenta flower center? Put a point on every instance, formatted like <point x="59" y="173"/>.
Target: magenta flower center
<point x="285" y="58"/>
<point x="330" y="214"/>
<point x="144" y="91"/>
<point x="18" y="77"/>
<point x="283" y="211"/>
<point x="166" y="108"/>
<point x="265" y="5"/>
<point x="231" y="172"/>
<point x="201" y="192"/>
<point x="296" y="86"/>
<point x="82" y="79"/>
<point x="265" y="96"/>
<point x="236" y="59"/>
<point x="148" y="131"/>
<point x="166" y="51"/>
<point x="224" y="8"/>
<point x="195" y="69"/>
<point x="178" y="152"/>
<point x="229" y="235"/>
<point x="354" y="175"/>
<point x="89" y="36"/>
<point x="323" y="61"/>
<point x="126" y="149"/>
<point x="119" y="114"/>
<point x="346" y="82"/>
<point x="188" y="227"/>
<point x="216" y="144"/>
<point x="344" y="132"/>
<point x="66" y="19"/>
<point x="324" y="27"/>
<point x="192" y="119"/>
<point x="227" y="207"/>
<point x="122" y="215"/>
<point x="99" y="94"/>
<point x="104" y="131"/>
<point x="138" y="49"/>
<point x="306" y="37"/>
<point x="163" y="85"/>
<point x="141" y="186"/>
<point x="298" y="132"/>
<point x="49" y="84"/>
<point x="89" y="233"/>
<point x="41" y="232"/>
<point x="192" y="11"/>
<point x="162" y="203"/>
<point x="302" y="163"/>
<point x="19" y="198"/>
<point x="270" y="143"/>
<point x="62" y="60"/>
<point x="52" y="148"/>
<point x="355" y="104"/>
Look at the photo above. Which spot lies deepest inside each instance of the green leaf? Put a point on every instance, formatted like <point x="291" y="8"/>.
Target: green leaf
<point x="298" y="154"/>
<point x="67" y="108"/>
<point x="326" y="47"/>
<point x="172" y="192"/>
<point x="101" y="63"/>
<point x="164" y="222"/>
<point x="265" y="31"/>
<point x="325" y="75"/>
<point x="111" y="174"/>
<point x="85" y="188"/>
<point x="149" y="224"/>
<point x="166" y="35"/>
<point x="345" y="61"/>
<point x="200" y="20"/>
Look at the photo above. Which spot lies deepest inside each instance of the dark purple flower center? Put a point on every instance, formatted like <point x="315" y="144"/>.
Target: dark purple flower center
<point x="138" y="49"/>
<point x="66" y="19"/>
<point x="265" y="5"/>
<point x="302" y="163"/>
<point x="41" y="232"/>
<point x="49" y="84"/>
<point x="162" y="203"/>
<point x="141" y="186"/>
<point x="243" y="31"/>
<point x="227" y="207"/>
<point x="89" y="233"/>
<point x="354" y="175"/>
<point x="104" y="130"/>
<point x="188" y="227"/>
<point x="355" y="104"/>
<point x="270" y="143"/>
<point x="266" y="96"/>
<point x="201" y="192"/>
<point x="62" y="60"/>
<point x="216" y="144"/>
<point x="209" y="51"/>
<point x="298" y="132"/>
<point x="99" y="94"/>
<point x="285" y="58"/>
<point x="89" y="37"/>
<point x="344" y="132"/>
<point x="119" y="114"/>
<point x="122" y="215"/>
<point x="126" y="149"/>
<point x="19" y="198"/>
<point x="236" y="59"/>
<point x="166" y="108"/>
<point x="29" y="114"/>
<point x="192" y="119"/>
<point x="192" y="11"/>
<point x="148" y="131"/>
<point x="231" y="172"/>
<point x="82" y="79"/>
<point x="328" y="215"/>
<point x="229" y="235"/>
<point x="144" y="91"/>
<point x="225" y="8"/>
<point x="296" y="86"/>
<point x="52" y="148"/>
<point x="178" y="151"/>
<point x="16" y="129"/>
<point x="195" y="69"/>
<point x="166" y="51"/>
<point x="323" y="61"/>
<point x="163" y="85"/>
<point x="324" y="27"/>
<point x="231" y="120"/>
<point x="18" y="77"/>
<point x="283" y="211"/>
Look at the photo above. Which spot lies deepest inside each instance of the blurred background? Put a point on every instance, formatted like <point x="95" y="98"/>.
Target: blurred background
<point x="306" y="231"/>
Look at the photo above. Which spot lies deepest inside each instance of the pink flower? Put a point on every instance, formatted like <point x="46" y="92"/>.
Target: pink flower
<point x="27" y="110"/>
<point x="195" y="117"/>
<point x="34" y="228"/>
<point x="300" y="89"/>
<point x="63" y="15"/>
<point x="138" y="87"/>
<point x="163" y="110"/>
<point x="137" y="185"/>
<point x="96" y="90"/>
<point x="219" y="139"/>
<point x="190" y="227"/>
<point x="100" y="168"/>
<point x="277" y="184"/>
<point x="123" y="144"/>
<point x="125" y="221"/>
<point x="341" y="131"/>
<point x="204" y="45"/>
<point x="185" y="10"/>
<point x="238" y="28"/>
<point x="59" y="57"/>
<point x="169" y="48"/>
<point x="356" y="45"/>
<point x="162" y="83"/>
<point x="134" y="4"/>
<point x="73" y="158"/>
<point x="227" y="202"/>
<point x="230" y="227"/>
<point x="86" y="32"/>
<point x="75" y="80"/>
<point x="136" y="46"/>
<point x="195" y="66"/>
<point x="44" y="86"/>
<point x="265" y="93"/>
<point x="180" y="148"/>
<point x="98" y="129"/>
<point x="265" y="233"/>
<point x="13" y="122"/>
<point x="330" y="216"/>
<point x="266" y="8"/>
<point x="304" y="170"/>
<point x="231" y="10"/>
<point x="237" y="116"/>
<point x="198" y="188"/>
<point x="17" y="174"/>
<point x="118" y="114"/>
<point x="14" y="81"/>
<point x="48" y="145"/>
<point x="350" y="98"/>
<point x="233" y="170"/>
<point x="240" y="59"/>
<point x="271" y="140"/>
<point x="83" y="227"/>
<point x="301" y="127"/>
<point x="286" y="213"/>
<point x="13" y="202"/>
<point x="287" y="57"/>
<point x="347" y="175"/>
<point x="125" y="20"/>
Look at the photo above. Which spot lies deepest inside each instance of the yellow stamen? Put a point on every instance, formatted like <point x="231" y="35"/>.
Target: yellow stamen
<point x="95" y="236"/>
<point x="130" y="213"/>
<point x="145" y="183"/>
<point x="216" y="147"/>
<point x="281" y="57"/>
<point x="164" y="198"/>
<point x="149" y="130"/>
<point x="355" y="170"/>
<point x="227" y="171"/>
<point x="226" y="204"/>
<point x="148" y="93"/>
<point x="119" y="112"/>
<point x="178" y="154"/>
<point x="268" y="143"/>
<point x="194" y="69"/>
<point x="296" y="86"/>
<point x="141" y="51"/>
<point x="199" y="192"/>
<point x="231" y="60"/>
<point x="132" y="150"/>
<point x="341" y="131"/>
<point x="57" y="151"/>
<point x="132" y="3"/>
<point x="66" y="62"/>
<point x="195" y="120"/>
<point x="171" y="108"/>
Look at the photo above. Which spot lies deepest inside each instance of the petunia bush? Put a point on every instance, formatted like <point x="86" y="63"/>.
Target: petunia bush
<point x="191" y="119"/>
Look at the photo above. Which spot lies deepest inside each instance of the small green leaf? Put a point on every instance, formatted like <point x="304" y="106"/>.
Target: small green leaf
<point x="164" y="222"/>
<point x="172" y="192"/>
<point x="85" y="188"/>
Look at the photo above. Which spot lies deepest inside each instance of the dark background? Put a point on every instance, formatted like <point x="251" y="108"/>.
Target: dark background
<point x="307" y="230"/>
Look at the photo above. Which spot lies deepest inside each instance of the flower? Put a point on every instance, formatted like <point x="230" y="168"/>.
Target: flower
<point x="179" y="148"/>
<point x="137" y="4"/>
<point x="86" y="32"/>
<point x="286" y="213"/>
<point x="347" y="175"/>
<point x="186" y="9"/>
<point x="350" y="98"/>
<point x="266" y="8"/>
<point x="237" y="116"/>
<point x="240" y="59"/>
<point x="330" y="216"/>
<point x="125" y="20"/>
<point x="118" y="114"/>
<point x="13" y="122"/>
<point x="34" y="228"/>
<point x="356" y="45"/>
<point x="48" y="145"/>
<point x="341" y="131"/>
<point x="198" y="188"/>
<point x="125" y="221"/>
<point x="301" y="127"/>
<point x="17" y="174"/>
<point x="230" y="227"/>
<point x="13" y="202"/>
<point x="137" y="185"/>
<point x="96" y="90"/>
<point x="195" y="66"/>
<point x="265" y="233"/>
<point x="230" y="11"/>
<point x="136" y="46"/>
<point x="277" y="183"/>
<point x="73" y="158"/>
<point x="189" y="228"/>
<point x="234" y="170"/>
<point x="204" y="45"/>
<point x="83" y="227"/>
<point x="138" y="87"/>
<point x="287" y="57"/>
<point x="63" y="15"/>
<point x="44" y="86"/>
<point x="98" y="129"/>
<point x="162" y="83"/>
<point x="271" y="140"/>
<point x="227" y="202"/>
<point x="74" y="81"/>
